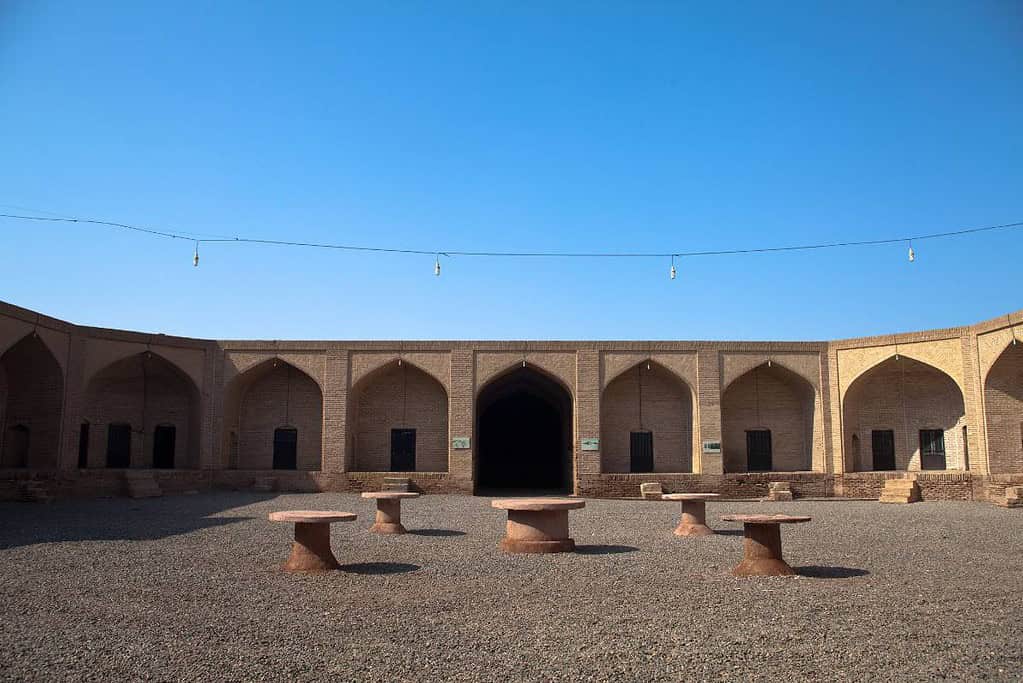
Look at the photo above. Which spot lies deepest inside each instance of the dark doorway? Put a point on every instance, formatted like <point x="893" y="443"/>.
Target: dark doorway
<point x="524" y="433"/>
<point x="403" y="450"/>
<point x="119" y="446"/>
<point x="16" y="447"/>
<point x="83" y="446"/>
<point x="883" y="446"/>
<point x="932" y="449"/>
<point x="758" y="450"/>
<point x="641" y="452"/>
<point x="285" y="448"/>
<point x="163" y="447"/>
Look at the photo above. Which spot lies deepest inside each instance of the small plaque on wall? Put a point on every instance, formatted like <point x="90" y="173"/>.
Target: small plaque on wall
<point x="590" y="444"/>
<point x="460" y="442"/>
<point x="712" y="447"/>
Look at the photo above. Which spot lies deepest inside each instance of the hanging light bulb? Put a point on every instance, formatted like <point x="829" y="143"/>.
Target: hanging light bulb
<point x="648" y="365"/>
<point x="436" y="266"/>
<point x="672" y="273"/>
<point x="195" y="256"/>
<point x="912" y="254"/>
<point x="399" y="362"/>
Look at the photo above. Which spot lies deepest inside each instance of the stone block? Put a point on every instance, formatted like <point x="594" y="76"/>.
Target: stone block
<point x="651" y="490"/>
<point x="900" y="491"/>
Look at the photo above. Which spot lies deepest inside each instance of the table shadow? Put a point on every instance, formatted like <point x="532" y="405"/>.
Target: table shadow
<point x="436" y="532"/>
<point x="379" y="568"/>
<point x="819" y="572"/>
<point x="604" y="549"/>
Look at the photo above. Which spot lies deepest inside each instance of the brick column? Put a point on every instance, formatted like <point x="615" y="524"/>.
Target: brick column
<point x="211" y="406"/>
<point x="74" y="397"/>
<point x="587" y="418"/>
<point x="973" y="401"/>
<point x="709" y="395"/>
<point x="335" y="412"/>
<point x="462" y="418"/>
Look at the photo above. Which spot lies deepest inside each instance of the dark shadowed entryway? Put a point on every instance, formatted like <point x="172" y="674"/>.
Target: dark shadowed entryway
<point x="524" y="428"/>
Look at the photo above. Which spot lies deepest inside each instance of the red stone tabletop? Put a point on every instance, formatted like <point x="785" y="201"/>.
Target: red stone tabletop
<point x="765" y="519"/>
<point x="311" y="516"/>
<point x="538" y="504"/>
<point x="390" y="495"/>
<point x="690" y="496"/>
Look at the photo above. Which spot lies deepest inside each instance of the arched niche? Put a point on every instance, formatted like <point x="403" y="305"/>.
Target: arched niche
<point x="260" y="405"/>
<point x="31" y="405"/>
<point x="1003" y="407"/>
<point x="398" y="417"/>
<point x="896" y="408"/>
<point x="131" y="403"/>
<point x="647" y="399"/>
<point x="771" y="421"/>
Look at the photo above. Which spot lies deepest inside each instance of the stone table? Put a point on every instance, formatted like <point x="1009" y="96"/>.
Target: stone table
<point x="388" y="511"/>
<point x="763" y="544"/>
<point x="538" y="525"/>
<point x="311" y="550"/>
<point x="694" y="513"/>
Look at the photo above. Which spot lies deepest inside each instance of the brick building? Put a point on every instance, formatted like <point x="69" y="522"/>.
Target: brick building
<point x="80" y="406"/>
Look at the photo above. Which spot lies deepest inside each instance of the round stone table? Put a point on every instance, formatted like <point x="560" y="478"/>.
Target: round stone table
<point x="311" y="550"/>
<point x="763" y="544"/>
<point x="388" y="511"/>
<point x="538" y="525"/>
<point x="694" y="513"/>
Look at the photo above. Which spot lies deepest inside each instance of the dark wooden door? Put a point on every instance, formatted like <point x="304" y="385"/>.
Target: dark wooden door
<point x="883" y="445"/>
<point x="403" y="450"/>
<point x="119" y="446"/>
<point x="758" y="450"/>
<point x="285" y="449"/>
<point x="83" y="446"/>
<point x="932" y="449"/>
<point x="641" y="452"/>
<point x="163" y="447"/>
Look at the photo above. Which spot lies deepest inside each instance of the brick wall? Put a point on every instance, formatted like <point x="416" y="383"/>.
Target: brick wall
<point x="655" y="400"/>
<point x="769" y="398"/>
<point x="904" y="396"/>
<point x="1003" y="400"/>
<point x="274" y="397"/>
<point x="399" y="397"/>
<point x="32" y="395"/>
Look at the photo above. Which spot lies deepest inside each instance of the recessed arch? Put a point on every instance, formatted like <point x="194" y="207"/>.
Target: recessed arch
<point x="896" y="405"/>
<point x="647" y="398"/>
<point x="268" y="396"/>
<point x="144" y="391"/>
<point x="1003" y="407"/>
<point x="398" y="406"/>
<point x="31" y="405"/>
<point x="771" y="421"/>
<point x="524" y="432"/>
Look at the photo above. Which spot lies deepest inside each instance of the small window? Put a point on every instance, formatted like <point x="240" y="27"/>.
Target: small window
<point x="641" y="451"/>
<point x="164" y="438"/>
<point x="119" y="446"/>
<point x="83" y="446"/>
<point x="16" y="446"/>
<point x="285" y="448"/>
<point x="966" y="449"/>
<point x="758" y="450"/>
<point x="932" y="449"/>
<point x="403" y="450"/>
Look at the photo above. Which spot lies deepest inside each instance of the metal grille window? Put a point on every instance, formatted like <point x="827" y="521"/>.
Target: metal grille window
<point x="932" y="449"/>
<point x="641" y="452"/>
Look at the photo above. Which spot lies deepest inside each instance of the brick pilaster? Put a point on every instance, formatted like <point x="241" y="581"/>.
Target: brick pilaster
<point x="709" y="396"/>
<point x="461" y="418"/>
<point x="335" y="411"/>
<point x="587" y="416"/>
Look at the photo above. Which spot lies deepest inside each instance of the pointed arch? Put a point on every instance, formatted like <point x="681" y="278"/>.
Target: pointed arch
<point x="771" y="420"/>
<point x="270" y="396"/>
<point x="31" y="405"/>
<point x="890" y="404"/>
<point x="1003" y="410"/>
<point x="649" y="398"/>
<point x="145" y="393"/>
<point x="398" y="406"/>
<point x="515" y="367"/>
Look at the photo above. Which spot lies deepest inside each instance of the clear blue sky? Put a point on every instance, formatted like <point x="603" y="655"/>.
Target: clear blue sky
<point x="543" y="126"/>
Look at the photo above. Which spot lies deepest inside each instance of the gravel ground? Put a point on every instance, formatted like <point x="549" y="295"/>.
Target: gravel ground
<point x="187" y="588"/>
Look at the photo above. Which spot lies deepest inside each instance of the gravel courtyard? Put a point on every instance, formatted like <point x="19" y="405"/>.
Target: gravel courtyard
<point x="187" y="588"/>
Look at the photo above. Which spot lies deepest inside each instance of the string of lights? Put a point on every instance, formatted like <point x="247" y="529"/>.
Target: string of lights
<point x="198" y="239"/>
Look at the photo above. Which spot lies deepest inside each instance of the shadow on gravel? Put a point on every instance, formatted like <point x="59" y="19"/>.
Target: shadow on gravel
<point x="728" y="532"/>
<point x="380" y="568"/>
<point x="604" y="549"/>
<point x="436" y="532"/>
<point x="818" y="572"/>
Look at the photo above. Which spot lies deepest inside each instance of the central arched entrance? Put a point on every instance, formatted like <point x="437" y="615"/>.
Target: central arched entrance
<point x="524" y="434"/>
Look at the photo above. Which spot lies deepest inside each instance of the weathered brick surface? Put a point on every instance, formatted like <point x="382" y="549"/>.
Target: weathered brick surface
<point x="31" y="395"/>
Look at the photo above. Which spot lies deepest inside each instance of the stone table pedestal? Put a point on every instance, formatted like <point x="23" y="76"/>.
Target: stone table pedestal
<point x="763" y="544"/>
<point x="388" y="519"/>
<point x="311" y="549"/>
<point x="694" y="513"/>
<point x="538" y="525"/>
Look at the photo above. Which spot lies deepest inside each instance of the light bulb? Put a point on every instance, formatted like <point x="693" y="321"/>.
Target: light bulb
<point x="195" y="257"/>
<point x="648" y="365"/>
<point x="436" y="267"/>
<point x="523" y="363"/>
<point x="399" y="362"/>
<point x="912" y="254"/>
<point x="673" y="272"/>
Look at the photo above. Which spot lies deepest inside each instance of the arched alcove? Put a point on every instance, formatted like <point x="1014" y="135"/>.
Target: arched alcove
<point x="399" y="421"/>
<point x="31" y="405"/>
<point x="907" y="415"/>
<point x="127" y="403"/>
<point x="265" y="398"/>
<point x="646" y="405"/>
<point x="1003" y="405"/>
<point x="524" y="432"/>
<point x="770" y="421"/>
